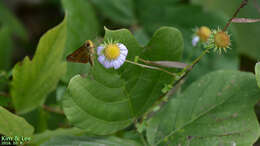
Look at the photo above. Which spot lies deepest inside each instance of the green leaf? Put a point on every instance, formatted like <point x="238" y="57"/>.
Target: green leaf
<point x="13" y="125"/>
<point x="120" y="11"/>
<point x="216" y="110"/>
<point x="82" y="25"/>
<point x="246" y="34"/>
<point x="89" y="141"/>
<point x="43" y="137"/>
<point x="109" y="100"/>
<point x="8" y="19"/>
<point x="5" y="48"/>
<point x="34" y="80"/>
<point x="257" y="73"/>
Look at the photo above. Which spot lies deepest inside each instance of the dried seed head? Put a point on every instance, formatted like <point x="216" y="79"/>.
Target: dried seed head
<point x="219" y="40"/>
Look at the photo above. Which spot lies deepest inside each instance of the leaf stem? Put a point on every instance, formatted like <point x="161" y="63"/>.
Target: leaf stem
<point x="151" y="67"/>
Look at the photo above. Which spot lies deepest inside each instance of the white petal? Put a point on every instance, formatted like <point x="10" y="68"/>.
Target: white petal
<point x="107" y="64"/>
<point x="195" y="40"/>
<point x="114" y="63"/>
<point x="100" y="50"/>
<point x="117" y="65"/>
<point x="122" y="57"/>
<point x="123" y="49"/>
<point x="124" y="52"/>
<point x="101" y="59"/>
<point x="122" y="46"/>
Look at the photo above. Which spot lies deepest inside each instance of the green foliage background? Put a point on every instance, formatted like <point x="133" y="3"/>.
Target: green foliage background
<point x="57" y="102"/>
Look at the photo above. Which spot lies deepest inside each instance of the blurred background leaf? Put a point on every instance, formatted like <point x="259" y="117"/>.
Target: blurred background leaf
<point x="119" y="11"/>
<point x="4" y="101"/>
<point x="8" y="19"/>
<point x="6" y="48"/>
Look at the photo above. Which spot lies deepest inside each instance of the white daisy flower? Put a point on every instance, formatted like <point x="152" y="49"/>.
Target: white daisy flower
<point x="112" y="55"/>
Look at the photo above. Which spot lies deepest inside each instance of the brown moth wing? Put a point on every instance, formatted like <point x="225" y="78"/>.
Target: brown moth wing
<point x="80" y="55"/>
<point x="84" y="54"/>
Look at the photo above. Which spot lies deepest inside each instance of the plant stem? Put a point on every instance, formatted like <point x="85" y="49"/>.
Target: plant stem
<point x="243" y="3"/>
<point x="151" y="67"/>
<point x="49" y="109"/>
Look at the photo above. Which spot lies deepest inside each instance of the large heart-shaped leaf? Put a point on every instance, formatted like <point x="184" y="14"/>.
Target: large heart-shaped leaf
<point x="82" y="25"/>
<point x="257" y="73"/>
<point x="89" y="141"/>
<point x="33" y="80"/>
<point x="13" y="125"/>
<point x="108" y="100"/>
<point x="216" y="110"/>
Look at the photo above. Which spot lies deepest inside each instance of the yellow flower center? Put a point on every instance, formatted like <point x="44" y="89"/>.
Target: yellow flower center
<point x="222" y="39"/>
<point x="112" y="51"/>
<point x="204" y="33"/>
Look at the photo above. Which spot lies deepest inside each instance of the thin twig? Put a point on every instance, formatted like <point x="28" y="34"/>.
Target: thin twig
<point x="49" y="109"/>
<point x="151" y="67"/>
<point x="243" y="3"/>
